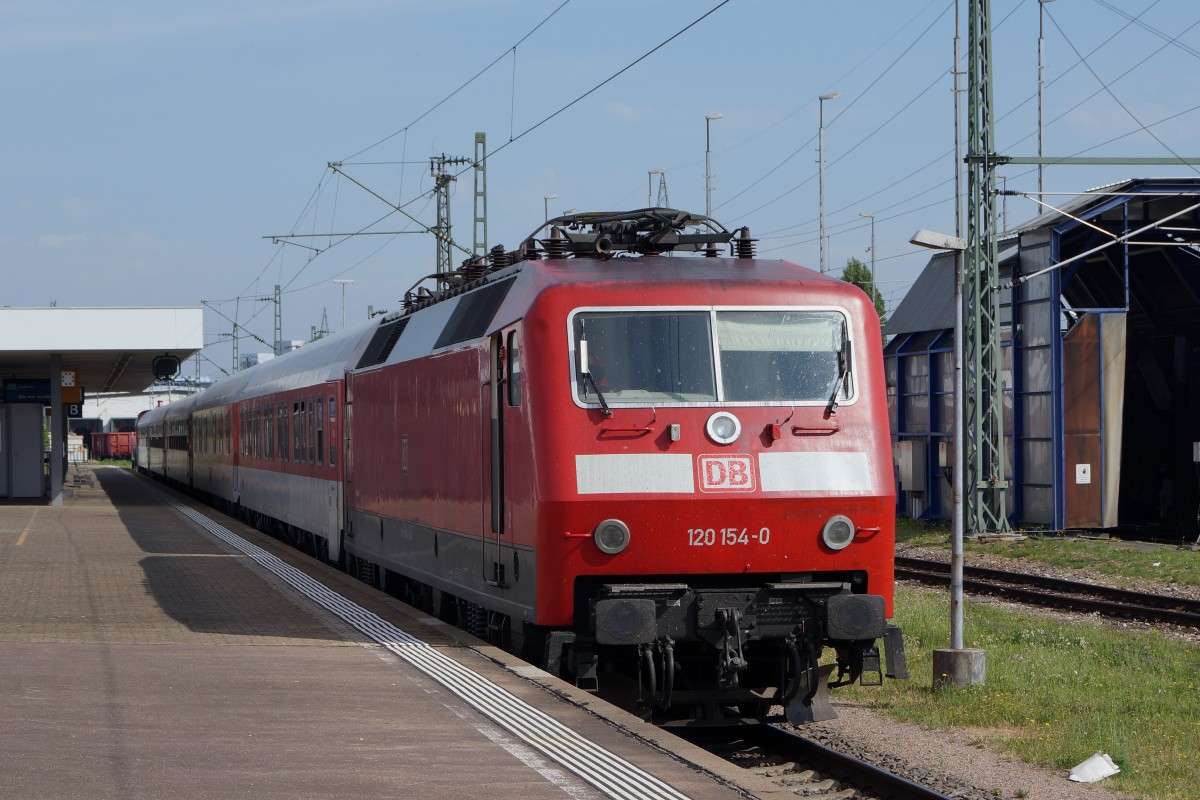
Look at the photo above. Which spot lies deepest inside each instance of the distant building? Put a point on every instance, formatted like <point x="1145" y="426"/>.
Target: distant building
<point x="249" y="360"/>
<point x="1100" y="366"/>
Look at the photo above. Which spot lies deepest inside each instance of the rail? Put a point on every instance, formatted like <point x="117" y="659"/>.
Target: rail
<point x="803" y="766"/>
<point x="1058" y="592"/>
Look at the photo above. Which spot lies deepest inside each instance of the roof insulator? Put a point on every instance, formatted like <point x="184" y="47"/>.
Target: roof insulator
<point x="499" y="258"/>
<point x="556" y="245"/>
<point x="744" y="244"/>
<point x="474" y="268"/>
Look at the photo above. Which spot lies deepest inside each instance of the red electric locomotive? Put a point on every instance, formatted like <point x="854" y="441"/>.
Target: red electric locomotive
<point x="665" y="474"/>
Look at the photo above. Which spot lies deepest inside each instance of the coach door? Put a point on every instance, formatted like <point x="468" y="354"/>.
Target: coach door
<point x="497" y="549"/>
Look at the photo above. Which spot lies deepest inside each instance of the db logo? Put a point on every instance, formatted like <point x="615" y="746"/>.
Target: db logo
<point x="726" y="473"/>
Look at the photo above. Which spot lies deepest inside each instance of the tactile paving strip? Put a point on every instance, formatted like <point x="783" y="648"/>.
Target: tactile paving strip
<point x="607" y="772"/>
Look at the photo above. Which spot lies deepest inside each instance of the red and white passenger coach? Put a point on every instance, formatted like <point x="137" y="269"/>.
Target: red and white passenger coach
<point x="614" y="450"/>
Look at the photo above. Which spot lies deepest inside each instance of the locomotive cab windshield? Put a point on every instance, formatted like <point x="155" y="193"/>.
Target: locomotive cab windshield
<point x="643" y="356"/>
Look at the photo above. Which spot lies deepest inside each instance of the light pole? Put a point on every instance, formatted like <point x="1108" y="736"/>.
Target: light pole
<point x="546" y="204"/>
<point x="872" y="218"/>
<point x="708" y="118"/>
<point x="821" y="167"/>
<point x="957" y="665"/>
<point x="344" y="282"/>
<point x="1041" y="86"/>
<point x="650" y="173"/>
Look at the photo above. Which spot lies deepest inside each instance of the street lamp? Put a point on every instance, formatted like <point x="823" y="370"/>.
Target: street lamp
<point x="650" y="173"/>
<point x="546" y="204"/>
<point x="872" y="218"/>
<point x="344" y="282"/>
<point x="1041" y="85"/>
<point x="821" y="167"/>
<point x="957" y="665"/>
<point x="708" y="118"/>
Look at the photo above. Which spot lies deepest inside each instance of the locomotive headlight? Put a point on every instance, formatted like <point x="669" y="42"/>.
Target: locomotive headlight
<point x="838" y="532"/>
<point x="723" y="427"/>
<point x="612" y="536"/>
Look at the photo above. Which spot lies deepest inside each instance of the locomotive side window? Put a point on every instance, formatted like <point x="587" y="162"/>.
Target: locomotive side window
<point x="643" y="357"/>
<point x="514" y="369"/>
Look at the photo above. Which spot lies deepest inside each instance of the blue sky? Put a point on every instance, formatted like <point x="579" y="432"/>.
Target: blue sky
<point x="150" y="147"/>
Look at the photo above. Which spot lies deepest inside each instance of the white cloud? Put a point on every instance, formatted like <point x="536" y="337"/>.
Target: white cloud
<point x="57" y="241"/>
<point x="623" y="112"/>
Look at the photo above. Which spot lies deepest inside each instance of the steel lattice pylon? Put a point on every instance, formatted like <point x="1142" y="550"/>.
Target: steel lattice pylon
<point x="985" y="482"/>
<point x="480" y="248"/>
<point x="442" y="179"/>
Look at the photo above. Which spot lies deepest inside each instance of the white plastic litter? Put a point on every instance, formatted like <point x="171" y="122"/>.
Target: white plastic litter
<point x="1096" y="768"/>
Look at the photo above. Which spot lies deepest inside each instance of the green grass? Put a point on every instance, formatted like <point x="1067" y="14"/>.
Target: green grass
<point x="1165" y="563"/>
<point x="1056" y="692"/>
<point x="112" y="462"/>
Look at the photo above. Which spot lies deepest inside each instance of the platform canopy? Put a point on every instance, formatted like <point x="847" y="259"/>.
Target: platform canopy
<point x="111" y="349"/>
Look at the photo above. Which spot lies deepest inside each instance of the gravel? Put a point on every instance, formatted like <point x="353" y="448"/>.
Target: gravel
<point x="947" y="761"/>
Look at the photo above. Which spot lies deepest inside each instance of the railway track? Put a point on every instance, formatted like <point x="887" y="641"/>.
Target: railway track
<point x="804" y="767"/>
<point x="1058" y="593"/>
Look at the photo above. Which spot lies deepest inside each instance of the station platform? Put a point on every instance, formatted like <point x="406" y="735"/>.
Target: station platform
<point x="150" y="646"/>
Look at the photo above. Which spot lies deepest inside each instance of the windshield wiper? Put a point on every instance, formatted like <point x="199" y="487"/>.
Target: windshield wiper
<point x="599" y="394"/>
<point x="843" y="357"/>
<point x="586" y="368"/>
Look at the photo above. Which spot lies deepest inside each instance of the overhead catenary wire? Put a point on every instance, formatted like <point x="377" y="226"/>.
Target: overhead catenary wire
<point x="831" y="122"/>
<point x="858" y="202"/>
<point x="400" y="207"/>
<point x="1150" y="28"/>
<point x="313" y="201"/>
<point x="462" y="86"/>
<point x="513" y="131"/>
<point x="921" y="94"/>
<point x="1107" y="86"/>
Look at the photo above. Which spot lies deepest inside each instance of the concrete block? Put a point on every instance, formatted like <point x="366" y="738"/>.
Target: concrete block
<point x="958" y="668"/>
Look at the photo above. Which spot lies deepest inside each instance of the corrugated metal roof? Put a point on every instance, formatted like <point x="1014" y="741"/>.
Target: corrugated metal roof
<point x="929" y="304"/>
<point x="1095" y="196"/>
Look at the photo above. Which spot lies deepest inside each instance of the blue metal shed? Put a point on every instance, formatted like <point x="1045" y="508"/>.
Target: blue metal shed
<point x="1101" y="365"/>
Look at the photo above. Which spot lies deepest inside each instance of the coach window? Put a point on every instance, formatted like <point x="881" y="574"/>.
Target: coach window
<point x="319" y="407"/>
<point x="514" y="369"/>
<point x="282" y="422"/>
<point x="332" y="431"/>
<point x="297" y="430"/>
<point x="312" y="432"/>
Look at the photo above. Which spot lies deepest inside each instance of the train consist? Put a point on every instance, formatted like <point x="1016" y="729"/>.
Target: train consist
<point x="656" y="470"/>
